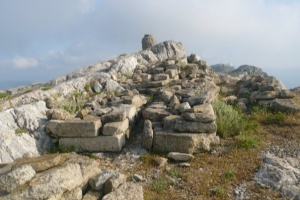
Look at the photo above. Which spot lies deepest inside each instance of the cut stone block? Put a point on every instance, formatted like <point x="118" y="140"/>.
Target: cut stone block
<point x="95" y="144"/>
<point x="115" y="128"/>
<point x="147" y="135"/>
<point x="115" y="116"/>
<point x="74" y="128"/>
<point x="172" y="72"/>
<point x="195" y="127"/>
<point x="170" y="121"/>
<point x="135" y="100"/>
<point x="183" y="142"/>
<point x="155" y="114"/>
<point x="158" y="83"/>
<point x="160" y="77"/>
<point x="198" y="117"/>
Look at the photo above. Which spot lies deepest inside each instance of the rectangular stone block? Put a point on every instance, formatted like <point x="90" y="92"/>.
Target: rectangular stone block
<point x="96" y="144"/>
<point x="195" y="127"/>
<point x="115" y="128"/>
<point x="74" y="128"/>
<point x="158" y="83"/>
<point x="183" y="142"/>
<point x="172" y="72"/>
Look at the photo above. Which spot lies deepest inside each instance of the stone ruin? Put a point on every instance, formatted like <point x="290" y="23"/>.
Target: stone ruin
<point x="172" y="94"/>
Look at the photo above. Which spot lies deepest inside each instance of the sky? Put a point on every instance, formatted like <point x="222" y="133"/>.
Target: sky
<point x="42" y="39"/>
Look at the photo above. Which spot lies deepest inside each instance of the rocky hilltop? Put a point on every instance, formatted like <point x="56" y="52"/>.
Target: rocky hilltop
<point x="158" y="100"/>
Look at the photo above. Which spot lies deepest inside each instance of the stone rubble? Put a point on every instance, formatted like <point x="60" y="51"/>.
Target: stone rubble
<point x="161" y="89"/>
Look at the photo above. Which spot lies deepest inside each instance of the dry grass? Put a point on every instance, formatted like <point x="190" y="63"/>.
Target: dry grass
<point x="214" y="176"/>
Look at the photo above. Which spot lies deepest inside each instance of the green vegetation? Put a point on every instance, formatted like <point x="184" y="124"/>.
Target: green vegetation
<point x="181" y="64"/>
<point x="159" y="184"/>
<point x="263" y="115"/>
<point x="75" y="102"/>
<point x="229" y="175"/>
<point x="4" y="95"/>
<point x="127" y="75"/>
<point x="61" y="149"/>
<point x="19" y="131"/>
<point x="229" y="121"/>
<point x="150" y="97"/>
<point x="247" y="141"/>
<point x="219" y="191"/>
<point x="174" y="173"/>
<point x="122" y="55"/>
<point x="46" y="88"/>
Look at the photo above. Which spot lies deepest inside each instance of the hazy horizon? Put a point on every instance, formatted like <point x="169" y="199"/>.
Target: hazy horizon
<point x="46" y="39"/>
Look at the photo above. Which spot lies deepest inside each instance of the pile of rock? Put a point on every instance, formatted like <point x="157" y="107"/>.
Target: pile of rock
<point x="258" y="90"/>
<point x="64" y="176"/>
<point x="99" y="126"/>
<point x="180" y="117"/>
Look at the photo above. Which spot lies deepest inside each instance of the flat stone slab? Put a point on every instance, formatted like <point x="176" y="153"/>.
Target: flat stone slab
<point x="195" y="127"/>
<point x="198" y="117"/>
<point x="155" y="114"/>
<point x="95" y="144"/>
<point x="74" y="128"/>
<point x="180" y="156"/>
<point x="184" y="142"/>
<point x="115" y="128"/>
<point x="115" y="116"/>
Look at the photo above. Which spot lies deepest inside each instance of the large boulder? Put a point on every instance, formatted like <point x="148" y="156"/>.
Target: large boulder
<point x="148" y="41"/>
<point x="169" y="50"/>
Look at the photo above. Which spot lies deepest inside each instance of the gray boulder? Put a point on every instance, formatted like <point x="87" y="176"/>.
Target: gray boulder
<point x="169" y="50"/>
<point x="148" y="41"/>
<point x="128" y="191"/>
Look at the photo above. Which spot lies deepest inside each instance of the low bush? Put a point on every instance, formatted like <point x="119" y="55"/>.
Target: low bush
<point x="229" y="121"/>
<point x="247" y="141"/>
<point x="5" y="95"/>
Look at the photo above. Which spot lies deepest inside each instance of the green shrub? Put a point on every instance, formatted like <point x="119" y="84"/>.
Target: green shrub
<point x="159" y="184"/>
<point x="247" y="141"/>
<point x="19" y="131"/>
<point x="61" y="149"/>
<point x="275" y="118"/>
<point x="229" y="121"/>
<point x="229" y="175"/>
<point x="174" y="173"/>
<point x="46" y="88"/>
<point x="122" y="55"/>
<point x="4" y="95"/>
<point x="264" y="115"/>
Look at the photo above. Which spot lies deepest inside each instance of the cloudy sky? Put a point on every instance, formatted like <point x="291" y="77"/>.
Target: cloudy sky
<point x="43" y="39"/>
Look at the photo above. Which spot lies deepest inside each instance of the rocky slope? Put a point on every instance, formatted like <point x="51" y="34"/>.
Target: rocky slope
<point x="170" y="91"/>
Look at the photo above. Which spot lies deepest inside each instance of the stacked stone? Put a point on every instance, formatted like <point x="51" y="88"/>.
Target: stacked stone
<point x="103" y="125"/>
<point x="179" y="116"/>
<point x="251" y="90"/>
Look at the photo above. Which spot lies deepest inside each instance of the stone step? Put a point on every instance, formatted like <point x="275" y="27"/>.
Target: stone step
<point x="74" y="127"/>
<point x="183" y="142"/>
<point x="95" y="144"/>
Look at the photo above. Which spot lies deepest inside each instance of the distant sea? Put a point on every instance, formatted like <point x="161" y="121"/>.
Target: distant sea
<point x="4" y="85"/>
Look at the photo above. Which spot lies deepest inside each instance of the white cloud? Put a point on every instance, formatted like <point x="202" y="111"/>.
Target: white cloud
<point x="23" y="62"/>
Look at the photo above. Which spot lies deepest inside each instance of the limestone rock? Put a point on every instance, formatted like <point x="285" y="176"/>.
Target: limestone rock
<point x="98" y="182"/>
<point x="183" y="142"/>
<point x="16" y="177"/>
<point x="284" y="105"/>
<point x="148" y="41"/>
<point x="95" y="144"/>
<point x="168" y="50"/>
<point x="116" y="116"/>
<point x="198" y="117"/>
<point x="195" y="127"/>
<point x="74" y="128"/>
<point x="93" y="195"/>
<point x="115" y="128"/>
<point x="51" y="183"/>
<point x="75" y="194"/>
<point x="125" y="65"/>
<point x="155" y="114"/>
<point x="147" y="135"/>
<point x="58" y="114"/>
<point x="114" y="182"/>
<point x="128" y="191"/>
<point x="180" y="156"/>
